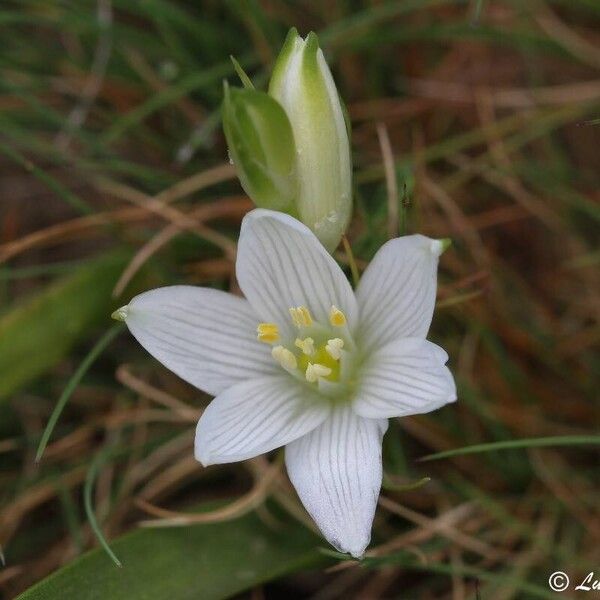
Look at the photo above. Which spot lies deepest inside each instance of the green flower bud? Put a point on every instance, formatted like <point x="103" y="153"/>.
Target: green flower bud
<point x="303" y="85"/>
<point x="261" y="145"/>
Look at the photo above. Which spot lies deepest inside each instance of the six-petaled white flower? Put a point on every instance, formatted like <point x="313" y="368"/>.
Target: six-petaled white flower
<point x="306" y="363"/>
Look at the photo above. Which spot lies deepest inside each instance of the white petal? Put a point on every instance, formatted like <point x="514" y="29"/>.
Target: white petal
<point x="396" y="294"/>
<point x="205" y="336"/>
<point x="281" y="264"/>
<point x="336" y="470"/>
<point x="257" y="416"/>
<point x="406" y="377"/>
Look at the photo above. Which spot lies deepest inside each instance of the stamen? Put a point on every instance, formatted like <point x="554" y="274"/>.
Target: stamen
<point x="294" y="315"/>
<point x="301" y="316"/>
<point x="267" y="332"/>
<point x="306" y="316"/>
<point x="336" y="317"/>
<point x="307" y="345"/>
<point x="314" y="371"/>
<point x="334" y="348"/>
<point x="284" y="357"/>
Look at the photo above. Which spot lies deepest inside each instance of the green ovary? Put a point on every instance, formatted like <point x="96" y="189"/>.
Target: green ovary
<point x="321" y="356"/>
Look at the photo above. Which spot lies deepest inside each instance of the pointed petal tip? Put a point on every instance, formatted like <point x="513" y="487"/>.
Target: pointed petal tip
<point x="291" y="34"/>
<point x="120" y="314"/>
<point x="203" y="460"/>
<point x="201" y="453"/>
<point x="312" y="42"/>
<point x="352" y="544"/>
<point x="438" y="247"/>
<point x="201" y="450"/>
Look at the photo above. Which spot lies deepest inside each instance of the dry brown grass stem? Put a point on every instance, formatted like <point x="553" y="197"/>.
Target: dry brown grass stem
<point x="448" y="531"/>
<point x="501" y="178"/>
<point x="459" y="223"/>
<point x="459" y="299"/>
<point x="391" y="180"/>
<point x="222" y="208"/>
<point x="449" y="519"/>
<point x="196" y="183"/>
<point x="9" y="572"/>
<point x="8" y="445"/>
<point x="12" y="514"/>
<point x="523" y="561"/>
<point x="178" y="218"/>
<point x="70" y="443"/>
<point x="287" y="499"/>
<point x="67" y="229"/>
<point x="125" y="377"/>
<point x="548" y="466"/>
<point x="121" y="417"/>
<point x="246" y="503"/>
<point x="518" y="98"/>
<point x="181" y="446"/>
<point x="566" y="36"/>
<point x="171" y="476"/>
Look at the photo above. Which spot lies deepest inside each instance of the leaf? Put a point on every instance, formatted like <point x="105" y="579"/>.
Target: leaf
<point x="39" y="332"/>
<point x="201" y="561"/>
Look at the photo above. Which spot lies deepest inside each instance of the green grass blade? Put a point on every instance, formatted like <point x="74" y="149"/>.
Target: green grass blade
<point x="50" y="182"/>
<point x="88" y="488"/>
<point x="566" y="440"/>
<point x="72" y="384"/>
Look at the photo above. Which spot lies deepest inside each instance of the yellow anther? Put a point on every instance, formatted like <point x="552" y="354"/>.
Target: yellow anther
<point x="306" y="316"/>
<point x="267" y="332"/>
<point x="314" y="371"/>
<point x="295" y="317"/>
<point x="307" y="345"/>
<point x="334" y="348"/>
<point x="284" y="357"/>
<point x="337" y="317"/>
<point x="301" y="316"/>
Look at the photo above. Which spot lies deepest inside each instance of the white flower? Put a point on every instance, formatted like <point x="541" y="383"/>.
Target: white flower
<point x="306" y="363"/>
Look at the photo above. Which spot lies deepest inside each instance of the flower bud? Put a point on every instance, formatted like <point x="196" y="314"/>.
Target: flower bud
<point x="261" y="145"/>
<point x="303" y="85"/>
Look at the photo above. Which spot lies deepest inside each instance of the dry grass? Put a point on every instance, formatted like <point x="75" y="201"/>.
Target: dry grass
<point x="482" y="132"/>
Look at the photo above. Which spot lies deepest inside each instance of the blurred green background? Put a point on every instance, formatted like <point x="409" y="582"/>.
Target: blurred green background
<point x="480" y="120"/>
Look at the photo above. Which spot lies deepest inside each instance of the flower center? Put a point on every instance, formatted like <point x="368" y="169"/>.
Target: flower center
<point x="319" y="350"/>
